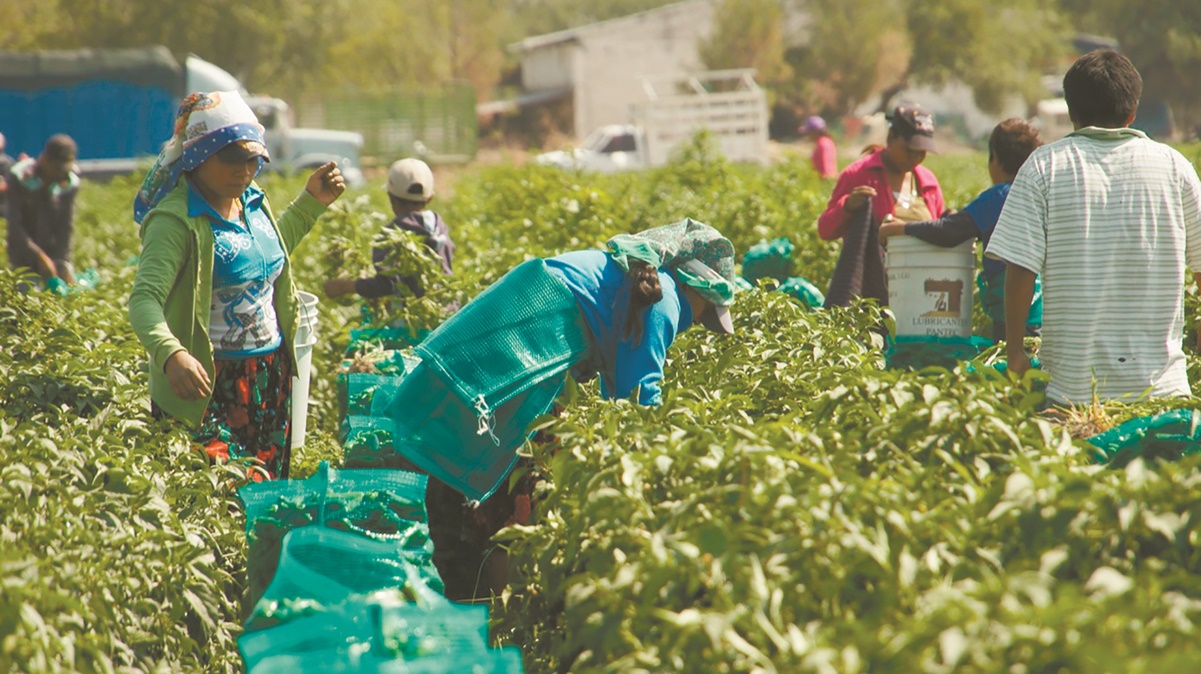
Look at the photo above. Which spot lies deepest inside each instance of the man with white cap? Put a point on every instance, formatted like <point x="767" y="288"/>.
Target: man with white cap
<point x="410" y="189"/>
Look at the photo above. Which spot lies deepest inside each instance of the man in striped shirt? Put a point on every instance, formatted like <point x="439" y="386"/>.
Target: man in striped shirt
<point x="1110" y="219"/>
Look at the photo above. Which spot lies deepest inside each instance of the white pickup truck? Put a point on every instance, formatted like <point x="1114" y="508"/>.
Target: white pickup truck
<point x="726" y="103"/>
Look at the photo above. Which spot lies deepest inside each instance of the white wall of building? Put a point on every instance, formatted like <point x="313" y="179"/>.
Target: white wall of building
<point x="605" y="62"/>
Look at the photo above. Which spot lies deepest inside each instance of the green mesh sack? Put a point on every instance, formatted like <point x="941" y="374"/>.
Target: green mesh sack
<point x="411" y="632"/>
<point x="332" y="640"/>
<point x="394" y="362"/>
<point x="768" y="259"/>
<point x="801" y="289"/>
<point x="321" y="567"/>
<point x="1166" y="436"/>
<point x="486" y="374"/>
<point x="382" y="505"/>
<point x="331" y="660"/>
<point x="383" y="337"/>
<point x="367" y="443"/>
<point x="356" y="390"/>
<point x="367" y="630"/>
<point x="915" y="352"/>
<point x="505" y="660"/>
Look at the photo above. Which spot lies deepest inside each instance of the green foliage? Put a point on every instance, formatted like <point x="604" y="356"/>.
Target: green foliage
<point x="119" y="547"/>
<point x="748" y="34"/>
<point x="964" y="40"/>
<point x="845" y="60"/>
<point x="792" y="506"/>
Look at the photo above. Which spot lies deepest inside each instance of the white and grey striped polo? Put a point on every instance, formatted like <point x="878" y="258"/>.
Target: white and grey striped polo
<point x="1110" y="219"/>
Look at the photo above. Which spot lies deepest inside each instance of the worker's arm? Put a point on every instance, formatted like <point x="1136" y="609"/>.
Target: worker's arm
<point x="1019" y="292"/>
<point x="1197" y="278"/>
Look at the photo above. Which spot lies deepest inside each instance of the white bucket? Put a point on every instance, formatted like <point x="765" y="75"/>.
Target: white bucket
<point x="930" y="289"/>
<point x="306" y="337"/>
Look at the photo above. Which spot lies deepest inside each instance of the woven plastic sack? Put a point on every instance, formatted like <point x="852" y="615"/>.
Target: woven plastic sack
<point x="768" y="259"/>
<point x="803" y="290"/>
<point x="486" y="374"/>
<point x="1166" y="436"/>
<point x="914" y="352"/>
<point x="322" y="567"/>
<point x="382" y="505"/>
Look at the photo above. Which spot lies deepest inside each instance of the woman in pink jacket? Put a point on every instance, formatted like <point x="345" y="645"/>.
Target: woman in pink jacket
<point x="891" y="179"/>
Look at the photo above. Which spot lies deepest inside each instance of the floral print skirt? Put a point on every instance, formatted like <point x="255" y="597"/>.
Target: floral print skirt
<point x="250" y="414"/>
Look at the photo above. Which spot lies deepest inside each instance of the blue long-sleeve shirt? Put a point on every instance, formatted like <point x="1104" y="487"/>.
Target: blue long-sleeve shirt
<point x="599" y="285"/>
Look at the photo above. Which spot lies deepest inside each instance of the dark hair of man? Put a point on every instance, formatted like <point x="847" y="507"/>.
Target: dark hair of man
<point x="1102" y="89"/>
<point x="61" y="148"/>
<point x="645" y="290"/>
<point x="1011" y="142"/>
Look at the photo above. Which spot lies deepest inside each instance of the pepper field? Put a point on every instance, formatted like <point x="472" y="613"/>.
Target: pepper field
<point x="793" y="506"/>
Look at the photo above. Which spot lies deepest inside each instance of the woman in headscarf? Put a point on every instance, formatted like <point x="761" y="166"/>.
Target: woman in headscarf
<point x="500" y="362"/>
<point x="213" y="301"/>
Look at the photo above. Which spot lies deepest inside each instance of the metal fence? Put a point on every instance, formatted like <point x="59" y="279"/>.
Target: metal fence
<point x="436" y="124"/>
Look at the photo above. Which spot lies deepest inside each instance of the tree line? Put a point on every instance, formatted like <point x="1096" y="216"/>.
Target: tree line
<point x="815" y="55"/>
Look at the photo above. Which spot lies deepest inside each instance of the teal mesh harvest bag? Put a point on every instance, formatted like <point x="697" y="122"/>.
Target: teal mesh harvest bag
<point x="321" y="567"/>
<point x="485" y="375"/>
<point x="1167" y="436"/>
<point x="381" y="505"/>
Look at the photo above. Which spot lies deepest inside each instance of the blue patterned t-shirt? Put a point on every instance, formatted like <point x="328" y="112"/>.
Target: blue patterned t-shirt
<point x="247" y="259"/>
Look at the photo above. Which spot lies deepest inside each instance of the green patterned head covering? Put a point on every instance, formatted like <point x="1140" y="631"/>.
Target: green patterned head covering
<point x="673" y="245"/>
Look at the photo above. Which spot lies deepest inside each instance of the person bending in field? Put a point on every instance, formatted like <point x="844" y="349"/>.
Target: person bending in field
<point x="40" y="207"/>
<point x="410" y="189"/>
<point x="1010" y="143"/>
<point x="492" y="368"/>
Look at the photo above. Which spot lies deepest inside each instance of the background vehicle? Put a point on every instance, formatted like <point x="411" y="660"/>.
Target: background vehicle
<point x="726" y="103"/>
<point x="119" y="105"/>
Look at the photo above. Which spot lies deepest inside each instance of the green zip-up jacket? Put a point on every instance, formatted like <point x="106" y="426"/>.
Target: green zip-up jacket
<point x="172" y="292"/>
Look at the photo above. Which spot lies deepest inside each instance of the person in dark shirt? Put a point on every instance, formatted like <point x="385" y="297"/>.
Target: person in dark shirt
<point x="40" y="210"/>
<point x="410" y="190"/>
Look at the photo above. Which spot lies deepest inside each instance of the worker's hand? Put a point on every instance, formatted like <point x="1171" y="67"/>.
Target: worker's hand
<point x="326" y="183"/>
<point x="858" y="199"/>
<point x="891" y="227"/>
<point x="187" y="377"/>
<point x="1019" y="362"/>
<point x="337" y="287"/>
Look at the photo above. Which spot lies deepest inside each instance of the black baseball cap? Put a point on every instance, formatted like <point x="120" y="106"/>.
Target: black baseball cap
<point x="915" y="124"/>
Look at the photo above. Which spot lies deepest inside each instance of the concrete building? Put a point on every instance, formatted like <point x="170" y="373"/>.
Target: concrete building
<point x="600" y="67"/>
